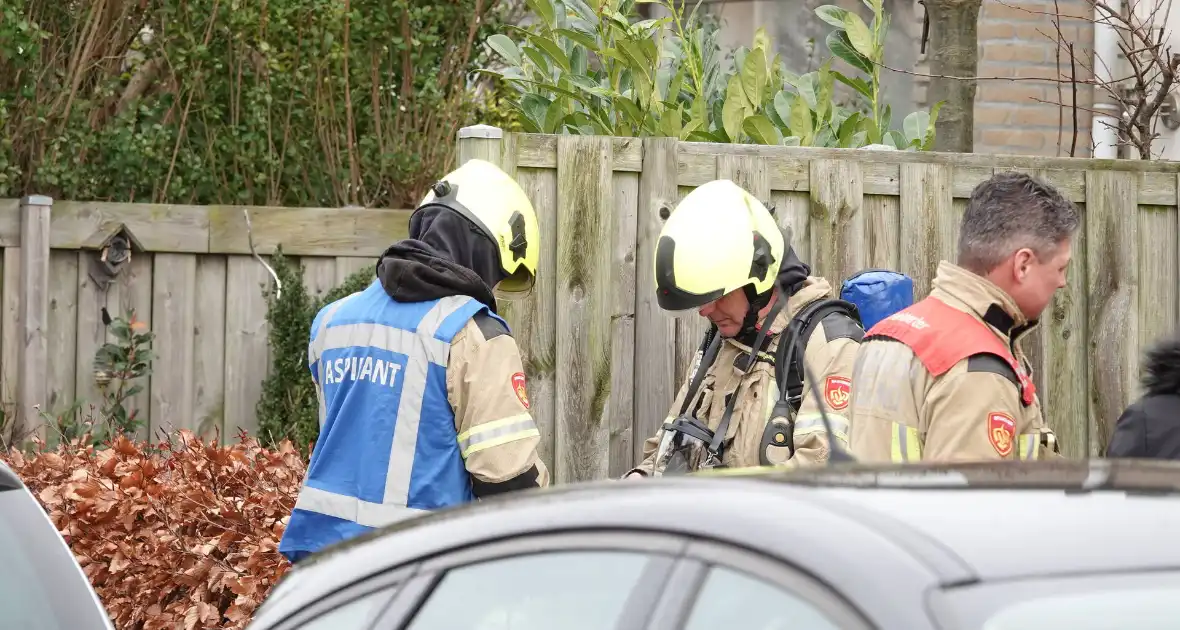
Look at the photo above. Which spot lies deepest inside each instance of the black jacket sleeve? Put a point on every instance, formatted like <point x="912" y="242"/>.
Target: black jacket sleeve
<point x="1130" y="433"/>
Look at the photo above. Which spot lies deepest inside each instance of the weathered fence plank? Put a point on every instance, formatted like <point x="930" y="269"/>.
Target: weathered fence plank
<point x="1159" y="276"/>
<point x="883" y="217"/>
<point x="209" y="344"/>
<point x="534" y="319"/>
<point x="61" y="334"/>
<point x="926" y="227"/>
<point x="655" y="382"/>
<point x="348" y="265"/>
<point x="1063" y="384"/>
<point x="174" y="294"/>
<point x="246" y="349"/>
<point x="91" y="334"/>
<point x="319" y="275"/>
<point x="163" y="228"/>
<point x="793" y="210"/>
<point x="585" y="225"/>
<point x="306" y="231"/>
<point x="839" y="247"/>
<point x="1113" y="273"/>
<point x="620" y="409"/>
<point x="135" y="294"/>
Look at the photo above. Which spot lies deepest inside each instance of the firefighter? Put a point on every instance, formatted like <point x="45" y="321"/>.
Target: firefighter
<point x="722" y="254"/>
<point x="946" y="378"/>
<point x="421" y="388"/>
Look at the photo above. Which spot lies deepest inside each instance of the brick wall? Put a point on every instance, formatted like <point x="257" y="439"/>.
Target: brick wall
<point x="1017" y="39"/>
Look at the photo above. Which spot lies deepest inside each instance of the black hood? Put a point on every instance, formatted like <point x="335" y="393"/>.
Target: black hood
<point x="445" y="255"/>
<point x="1161" y="368"/>
<point x="791" y="274"/>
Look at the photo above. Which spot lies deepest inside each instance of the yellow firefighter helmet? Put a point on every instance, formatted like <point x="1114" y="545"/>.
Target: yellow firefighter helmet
<point x="499" y="207"/>
<point x="720" y="238"/>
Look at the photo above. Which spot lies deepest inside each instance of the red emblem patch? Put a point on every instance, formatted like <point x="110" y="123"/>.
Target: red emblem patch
<point x="1001" y="432"/>
<point x="518" y="387"/>
<point x="837" y="391"/>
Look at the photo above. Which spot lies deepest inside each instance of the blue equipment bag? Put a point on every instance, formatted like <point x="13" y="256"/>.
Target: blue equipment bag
<point x="877" y="294"/>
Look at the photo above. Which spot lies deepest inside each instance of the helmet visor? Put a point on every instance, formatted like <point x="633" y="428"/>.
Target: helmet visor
<point x="677" y="301"/>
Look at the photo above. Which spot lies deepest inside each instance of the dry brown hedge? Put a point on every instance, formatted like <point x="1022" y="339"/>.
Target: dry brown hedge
<point x="180" y="533"/>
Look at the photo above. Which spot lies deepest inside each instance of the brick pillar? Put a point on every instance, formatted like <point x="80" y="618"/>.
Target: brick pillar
<point x="1012" y="116"/>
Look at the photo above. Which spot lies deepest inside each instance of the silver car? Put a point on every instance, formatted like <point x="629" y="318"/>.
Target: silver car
<point x="41" y="585"/>
<point x="1071" y="545"/>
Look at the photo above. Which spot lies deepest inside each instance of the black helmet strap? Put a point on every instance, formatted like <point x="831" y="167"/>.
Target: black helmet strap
<point x="760" y="266"/>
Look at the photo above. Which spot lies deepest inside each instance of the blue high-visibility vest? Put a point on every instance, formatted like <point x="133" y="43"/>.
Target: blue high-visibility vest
<point x="388" y="447"/>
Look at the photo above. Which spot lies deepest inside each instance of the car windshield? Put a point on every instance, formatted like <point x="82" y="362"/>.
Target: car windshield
<point x="41" y="587"/>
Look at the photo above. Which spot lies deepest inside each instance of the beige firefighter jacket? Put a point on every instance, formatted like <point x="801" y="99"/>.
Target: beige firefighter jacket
<point x="901" y="413"/>
<point x="486" y="388"/>
<point x="829" y="356"/>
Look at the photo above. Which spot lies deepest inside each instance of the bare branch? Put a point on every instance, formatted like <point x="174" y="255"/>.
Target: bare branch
<point x="995" y="78"/>
<point x="1060" y="110"/>
<point x="1138" y="97"/>
<point x="254" y="252"/>
<point x="1074" y="73"/>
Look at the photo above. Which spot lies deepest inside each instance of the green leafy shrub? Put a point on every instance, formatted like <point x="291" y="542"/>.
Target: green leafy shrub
<point x="585" y="70"/>
<point x="288" y="408"/>
<point x="282" y="102"/>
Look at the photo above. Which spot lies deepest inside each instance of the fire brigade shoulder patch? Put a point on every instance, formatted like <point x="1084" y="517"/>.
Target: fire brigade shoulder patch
<point x="1001" y="432"/>
<point x="518" y="387"/>
<point x="837" y="391"/>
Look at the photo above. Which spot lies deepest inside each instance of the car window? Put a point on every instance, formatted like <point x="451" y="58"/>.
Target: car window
<point x="738" y="601"/>
<point x="41" y="586"/>
<point x="570" y="590"/>
<point x="357" y="614"/>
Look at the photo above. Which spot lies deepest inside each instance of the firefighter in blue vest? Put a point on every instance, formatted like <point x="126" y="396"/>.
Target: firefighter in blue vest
<point x="421" y="386"/>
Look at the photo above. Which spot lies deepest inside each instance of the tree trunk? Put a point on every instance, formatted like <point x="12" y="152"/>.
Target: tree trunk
<point x="953" y="52"/>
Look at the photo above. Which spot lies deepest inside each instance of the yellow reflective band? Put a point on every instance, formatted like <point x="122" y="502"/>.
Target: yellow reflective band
<point x="497" y="432"/>
<point x="503" y="439"/>
<point x="814" y="423"/>
<point x="905" y="445"/>
<point x="1030" y="445"/>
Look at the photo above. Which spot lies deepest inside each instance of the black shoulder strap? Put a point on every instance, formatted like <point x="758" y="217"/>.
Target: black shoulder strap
<point x="710" y="345"/>
<point x="793" y="344"/>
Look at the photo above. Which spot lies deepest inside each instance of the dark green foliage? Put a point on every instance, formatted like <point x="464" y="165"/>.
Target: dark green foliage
<point x="280" y="102"/>
<point x="288" y="408"/>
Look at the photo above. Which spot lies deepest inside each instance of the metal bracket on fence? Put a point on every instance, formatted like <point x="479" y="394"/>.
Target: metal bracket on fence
<point x="254" y="252"/>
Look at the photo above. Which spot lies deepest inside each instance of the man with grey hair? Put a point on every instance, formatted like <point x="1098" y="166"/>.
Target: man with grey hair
<point x="944" y="380"/>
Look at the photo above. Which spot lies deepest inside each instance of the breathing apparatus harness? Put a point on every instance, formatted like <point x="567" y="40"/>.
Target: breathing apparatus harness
<point x="790" y="372"/>
<point x="687" y="430"/>
<point x="780" y="427"/>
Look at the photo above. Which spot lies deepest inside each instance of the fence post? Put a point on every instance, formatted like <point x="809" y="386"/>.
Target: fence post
<point x="482" y="142"/>
<point x="34" y="312"/>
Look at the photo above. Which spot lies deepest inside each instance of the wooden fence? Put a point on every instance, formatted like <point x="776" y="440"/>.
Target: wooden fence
<point x="603" y="361"/>
<point x="195" y="284"/>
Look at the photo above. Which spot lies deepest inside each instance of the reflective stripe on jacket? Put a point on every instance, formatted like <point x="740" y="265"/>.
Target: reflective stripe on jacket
<point x="388" y="447"/>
